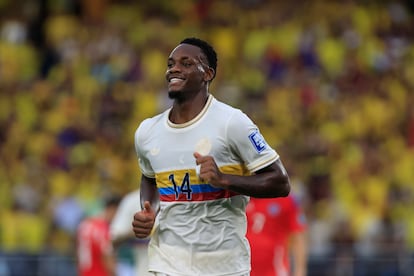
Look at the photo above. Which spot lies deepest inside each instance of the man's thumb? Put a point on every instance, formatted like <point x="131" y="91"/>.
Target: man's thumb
<point x="147" y="207"/>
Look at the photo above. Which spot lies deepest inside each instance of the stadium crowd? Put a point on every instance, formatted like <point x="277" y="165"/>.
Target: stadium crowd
<point x="329" y="82"/>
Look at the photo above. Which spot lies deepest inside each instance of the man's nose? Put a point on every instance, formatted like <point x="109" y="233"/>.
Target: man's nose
<point x="173" y="68"/>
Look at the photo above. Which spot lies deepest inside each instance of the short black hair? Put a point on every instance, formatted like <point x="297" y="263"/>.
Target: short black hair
<point x="112" y="200"/>
<point x="207" y="49"/>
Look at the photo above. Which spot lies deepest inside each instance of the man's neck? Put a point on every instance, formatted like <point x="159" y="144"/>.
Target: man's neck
<point x="185" y="111"/>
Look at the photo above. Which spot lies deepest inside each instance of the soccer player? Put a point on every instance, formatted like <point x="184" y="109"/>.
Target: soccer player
<point x="95" y="254"/>
<point x="276" y="233"/>
<point x="201" y="160"/>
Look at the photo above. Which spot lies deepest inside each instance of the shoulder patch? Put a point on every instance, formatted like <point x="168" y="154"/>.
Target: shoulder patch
<point x="258" y="141"/>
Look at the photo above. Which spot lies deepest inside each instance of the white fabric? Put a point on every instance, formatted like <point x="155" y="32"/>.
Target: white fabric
<point x="201" y="229"/>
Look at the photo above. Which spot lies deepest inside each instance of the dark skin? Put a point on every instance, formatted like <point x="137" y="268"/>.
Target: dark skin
<point x="188" y="78"/>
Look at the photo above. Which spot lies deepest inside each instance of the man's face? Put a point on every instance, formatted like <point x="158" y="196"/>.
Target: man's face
<point x="187" y="71"/>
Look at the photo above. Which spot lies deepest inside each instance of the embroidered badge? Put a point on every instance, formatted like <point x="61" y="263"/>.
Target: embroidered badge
<point x="258" y="141"/>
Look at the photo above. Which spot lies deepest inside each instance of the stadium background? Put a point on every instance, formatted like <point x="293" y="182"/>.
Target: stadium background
<point x="330" y="83"/>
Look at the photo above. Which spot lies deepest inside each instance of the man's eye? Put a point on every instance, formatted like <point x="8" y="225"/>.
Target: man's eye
<point x="187" y="64"/>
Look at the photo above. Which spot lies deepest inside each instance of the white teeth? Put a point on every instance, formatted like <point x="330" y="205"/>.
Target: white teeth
<point x="174" y="80"/>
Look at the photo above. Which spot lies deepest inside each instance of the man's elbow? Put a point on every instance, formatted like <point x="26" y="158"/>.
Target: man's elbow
<point x="282" y="179"/>
<point x="286" y="188"/>
<point x="283" y="187"/>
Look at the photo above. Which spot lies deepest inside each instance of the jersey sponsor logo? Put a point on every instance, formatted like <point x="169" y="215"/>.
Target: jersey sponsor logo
<point x="258" y="141"/>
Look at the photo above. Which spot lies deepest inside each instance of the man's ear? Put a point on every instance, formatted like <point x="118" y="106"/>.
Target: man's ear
<point x="209" y="74"/>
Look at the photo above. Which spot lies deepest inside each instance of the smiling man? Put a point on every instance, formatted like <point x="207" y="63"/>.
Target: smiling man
<point x="200" y="161"/>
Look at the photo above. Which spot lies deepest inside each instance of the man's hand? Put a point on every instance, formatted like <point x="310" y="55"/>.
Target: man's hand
<point x="144" y="221"/>
<point x="209" y="172"/>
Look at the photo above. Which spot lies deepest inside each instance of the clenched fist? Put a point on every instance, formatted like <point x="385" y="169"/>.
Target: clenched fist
<point x="209" y="171"/>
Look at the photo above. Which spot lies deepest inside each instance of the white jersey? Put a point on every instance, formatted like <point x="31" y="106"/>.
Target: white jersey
<point x="200" y="229"/>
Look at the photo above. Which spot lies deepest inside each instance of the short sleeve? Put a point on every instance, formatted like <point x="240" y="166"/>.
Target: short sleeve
<point x="246" y="141"/>
<point x="139" y="141"/>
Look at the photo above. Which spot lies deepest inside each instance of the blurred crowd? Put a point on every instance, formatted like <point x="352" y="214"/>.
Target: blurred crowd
<point x="330" y="83"/>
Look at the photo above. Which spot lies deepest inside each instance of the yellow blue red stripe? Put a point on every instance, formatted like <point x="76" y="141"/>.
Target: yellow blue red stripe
<point x="185" y="185"/>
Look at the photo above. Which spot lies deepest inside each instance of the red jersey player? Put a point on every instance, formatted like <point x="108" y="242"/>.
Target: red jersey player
<point x="95" y="254"/>
<point x="272" y="224"/>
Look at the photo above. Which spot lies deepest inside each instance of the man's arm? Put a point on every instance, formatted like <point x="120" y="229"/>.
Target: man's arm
<point x="149" y="192"/>
<point x="110" y="262"/>
<point x="143" y="221"/>
<point x="271" y="181"/>
<point x="298" y="247"/>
